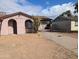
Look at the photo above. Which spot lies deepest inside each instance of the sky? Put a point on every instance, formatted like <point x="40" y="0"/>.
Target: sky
<point x="49" y="8"/>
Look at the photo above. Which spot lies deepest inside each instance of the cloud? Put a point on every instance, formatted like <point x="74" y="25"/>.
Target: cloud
<point x="23" y="2"/>
<point x="9" y="6"/>
<point x="12" y="6"/>
<point x="56" y="10"/>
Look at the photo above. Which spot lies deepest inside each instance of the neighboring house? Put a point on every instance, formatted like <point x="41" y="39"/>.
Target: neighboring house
<point x="16" y="23"/>
<point x="43" y="19"/>
<point x="43" y="22"/>
<point x="74" y="24"/>
<point x="64" y="23"/>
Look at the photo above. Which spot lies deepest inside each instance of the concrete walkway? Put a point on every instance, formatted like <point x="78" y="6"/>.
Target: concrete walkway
<point x="67" y="40"/>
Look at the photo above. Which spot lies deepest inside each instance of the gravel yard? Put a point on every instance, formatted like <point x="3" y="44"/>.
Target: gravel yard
<point x="32" y="46"/>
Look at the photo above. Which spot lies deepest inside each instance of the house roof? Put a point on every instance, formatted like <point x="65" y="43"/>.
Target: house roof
<point x="43" y="18"/>
<point x="40" y="16"/>
<point x="14" y="14"/>
<point x="21" y="13"/>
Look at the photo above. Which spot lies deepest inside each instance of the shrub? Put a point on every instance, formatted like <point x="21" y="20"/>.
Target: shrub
<point x="36" y="23"/>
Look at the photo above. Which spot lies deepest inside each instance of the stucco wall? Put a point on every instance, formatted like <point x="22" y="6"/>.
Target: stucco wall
<point x="20" y="19"/>
<point x="73" y="27"/>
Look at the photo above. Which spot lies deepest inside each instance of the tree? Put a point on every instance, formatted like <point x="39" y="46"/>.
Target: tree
<point x="68" y="13"/>
<point x="36" y="23"/>
<point x="76" y="8"/>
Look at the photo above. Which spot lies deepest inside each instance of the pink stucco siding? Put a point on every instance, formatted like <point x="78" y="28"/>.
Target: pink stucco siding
<point x="20" y="19"/>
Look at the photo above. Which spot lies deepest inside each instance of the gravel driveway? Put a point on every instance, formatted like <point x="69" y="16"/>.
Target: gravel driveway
<point x="67" y="40"/>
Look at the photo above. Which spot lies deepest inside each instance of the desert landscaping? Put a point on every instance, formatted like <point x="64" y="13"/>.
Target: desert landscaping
<point x="38" y="29"/>
<point x="33" y="46"/>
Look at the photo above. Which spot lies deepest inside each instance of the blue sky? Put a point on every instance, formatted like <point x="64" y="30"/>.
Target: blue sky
<point x="46" y="3"/>
<point x="50" y="8"/>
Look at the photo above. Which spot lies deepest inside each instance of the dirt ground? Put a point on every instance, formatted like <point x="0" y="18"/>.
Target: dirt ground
<point x="72" y="34"/>
<point x="67" y="40"/>
<point x="32" y="46"/>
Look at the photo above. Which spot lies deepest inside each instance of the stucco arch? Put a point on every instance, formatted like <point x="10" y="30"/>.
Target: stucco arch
<point x="12" y="24"/>
<point x="28" y="26"/>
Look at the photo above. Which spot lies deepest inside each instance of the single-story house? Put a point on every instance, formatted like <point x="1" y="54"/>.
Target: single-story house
<point x="64" y="23"/>
<point x="16" y="23"/>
